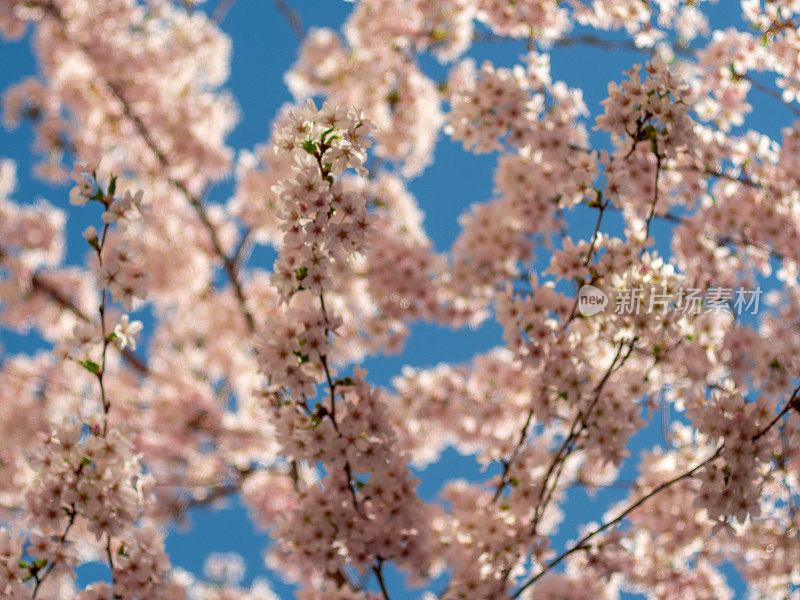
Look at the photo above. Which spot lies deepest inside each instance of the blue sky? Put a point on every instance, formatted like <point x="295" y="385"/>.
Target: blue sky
<point x="264" y="48"/>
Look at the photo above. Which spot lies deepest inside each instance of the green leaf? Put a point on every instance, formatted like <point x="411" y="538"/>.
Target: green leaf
<point x="90" y="366"/>
<point x="112" y="187"/>
<point x="598" y="201"/>
<point x="328" y="132"/>
<point x="438" y="35"/>
<point x="310" y="147"/>
<point x="776" y="364"/>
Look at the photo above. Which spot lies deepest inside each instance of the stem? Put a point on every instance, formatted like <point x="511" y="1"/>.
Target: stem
<point x="568" y="445"/>
<point x="595" y="235"/>
<point x="581" y="543"/>
<point x="61" y="541"/>
<point x="101" y="374"/>
<point x="195" y="201"/>
<point x="791" y="404"/>
<point x="292" y="17"/>
<point x="221" y="10"/>
<point x="507" y="464"/>
<point x="244" y="249"/>
<point x="655" y="198"/>
<point x="110" y="562"/>
<point x="40" y="285"/>
<point x="378" y="570"/>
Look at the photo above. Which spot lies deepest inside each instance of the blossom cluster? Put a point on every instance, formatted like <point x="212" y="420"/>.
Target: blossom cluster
<point x="248" y="382"/>
<point x="368" y="494"/>
<point x="117" y="267"/>
<point x="89" y="488"/>
<point x="322" y="223"/>
<point x="732" y="488"/>
<point x="486" y="109"/>
<point x="652" y="111"/>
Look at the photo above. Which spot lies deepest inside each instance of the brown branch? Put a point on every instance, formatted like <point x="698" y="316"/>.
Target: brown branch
<point x="36" y="282"/>
<point x="243" y="250"/>
<point x="216" y="492"/>
<point x="581" y="421"/>
<point x="582" y="542"/>
<point x="378" y="570"/>
<point x="43" y="287"/>
<point x="792" y="403"/>
<point x="655" y="198"/>
<point x="709" y="172"/>
<point x="770" y="92"/>
<point x="194" y="200"/>
<point x="51" y="566"/>
<point x="508" y="462"/>
<point x="292" y="18"/>
<point x="221" y="11"/>
<point x="743" y="241"/>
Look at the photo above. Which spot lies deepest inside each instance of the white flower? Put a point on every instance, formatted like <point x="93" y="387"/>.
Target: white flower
<point x="90" y="233"/>
<point x="80" y="194"/>
<point x="126" y="331"/>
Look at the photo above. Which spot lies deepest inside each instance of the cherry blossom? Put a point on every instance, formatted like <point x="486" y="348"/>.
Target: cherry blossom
<point x="175" y="368"/>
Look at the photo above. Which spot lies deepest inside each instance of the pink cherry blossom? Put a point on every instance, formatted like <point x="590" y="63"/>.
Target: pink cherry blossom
<point x="174" y="371"/>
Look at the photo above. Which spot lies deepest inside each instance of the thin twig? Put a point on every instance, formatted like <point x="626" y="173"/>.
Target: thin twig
<point x="243" y="250"/>
<point x="655" y="198"/>
<point x="40" y="285"/>
<point x="792" y="403"/>
<point x="582" y="542"/>
<point x="378" y="570"/>
<point x="221" y="10"/>
<point x="195" y="201"/>
<point x="770" y="92"/>
<point x="163" y="161"/>
<point x="61" y="541"/>
<point x="292" y="17"/>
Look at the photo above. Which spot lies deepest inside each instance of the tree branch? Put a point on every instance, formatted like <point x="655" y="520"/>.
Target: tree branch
<point x="194" y="201"/>
<point x="43" y="287"/>
<point x="292" y="18"/>
<point x="582" y="542"/>
<point x="221" y="10"/>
